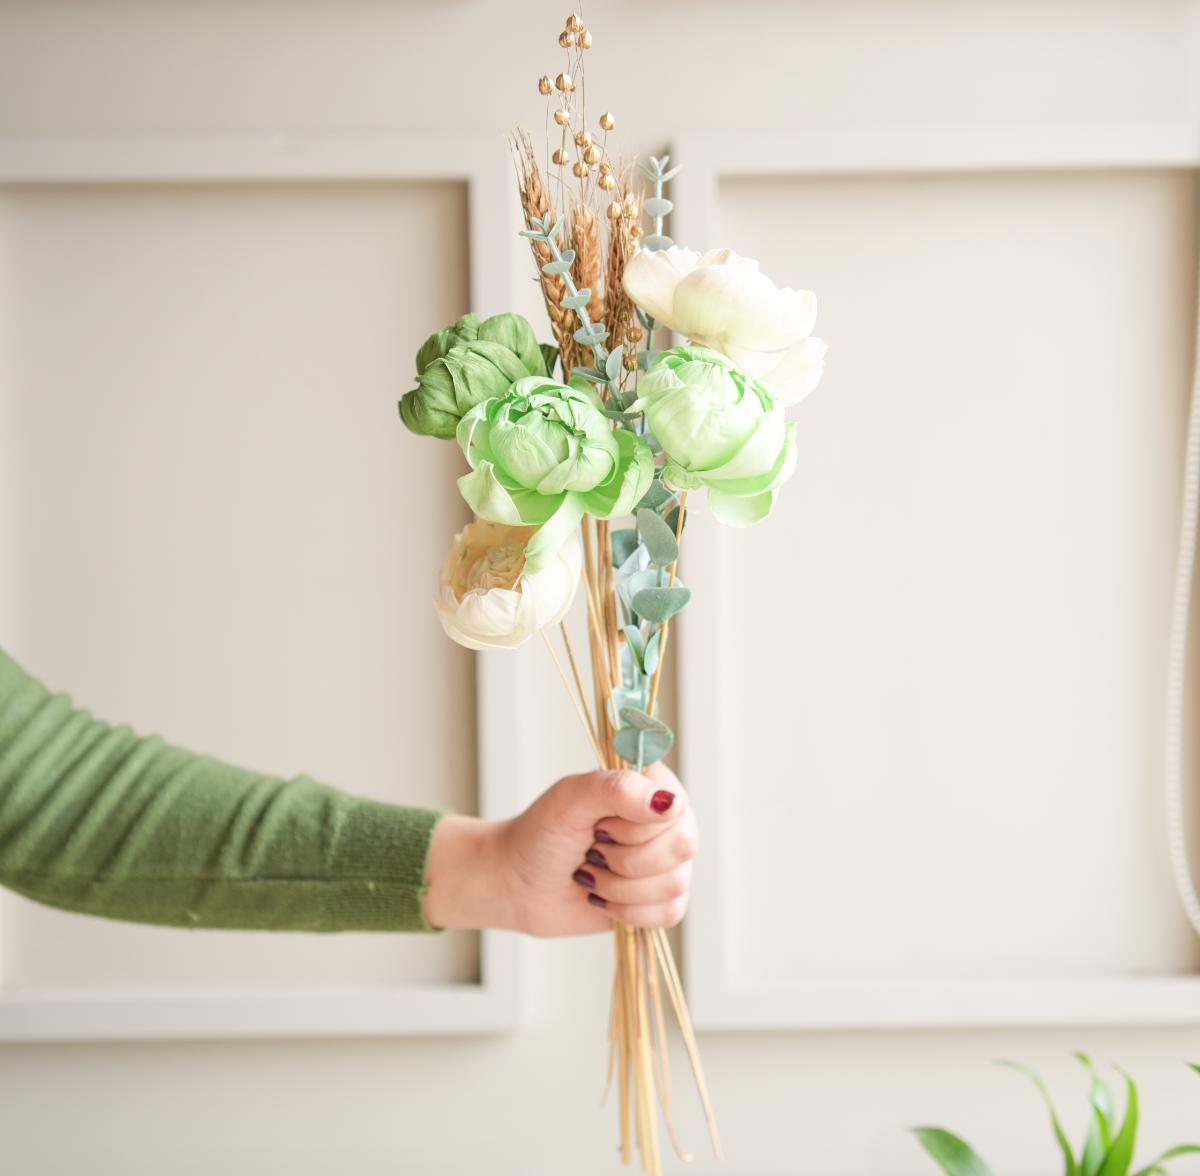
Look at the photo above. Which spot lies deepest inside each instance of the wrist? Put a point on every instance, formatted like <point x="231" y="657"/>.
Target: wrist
<point x="466" y="887"/>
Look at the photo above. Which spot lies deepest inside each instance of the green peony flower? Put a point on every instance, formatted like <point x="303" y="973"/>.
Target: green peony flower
<point x="719" y="429"/>
<point x="544" y="454"/>
<point x="466" y="364"/>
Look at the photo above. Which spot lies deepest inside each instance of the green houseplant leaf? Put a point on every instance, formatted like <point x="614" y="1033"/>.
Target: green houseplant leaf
<point x="1070" y="1167"/>
<point x="1120" y="1155"/>
<point x="953" y="1155"/>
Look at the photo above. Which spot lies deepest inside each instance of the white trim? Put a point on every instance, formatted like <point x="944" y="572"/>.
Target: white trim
<point x="493" y="1005"/>
<point x="717" y="1002"/>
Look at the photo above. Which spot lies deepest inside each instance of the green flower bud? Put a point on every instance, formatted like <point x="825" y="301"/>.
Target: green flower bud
<point x="544" y="455"/>
<point x="466" y="364"/>
<point x="719" y="429"/>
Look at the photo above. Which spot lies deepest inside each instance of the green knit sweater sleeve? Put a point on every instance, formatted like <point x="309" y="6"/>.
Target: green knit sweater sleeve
<point x="96" y="819"/>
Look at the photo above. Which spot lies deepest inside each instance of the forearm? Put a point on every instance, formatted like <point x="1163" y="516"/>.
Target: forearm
<point x="97" y="820"/>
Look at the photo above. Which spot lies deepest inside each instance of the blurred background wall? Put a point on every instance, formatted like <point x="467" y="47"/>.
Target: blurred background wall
<point x="204" y="486"/>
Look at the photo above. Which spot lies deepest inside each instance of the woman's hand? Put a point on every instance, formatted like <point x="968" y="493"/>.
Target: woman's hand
<point x="591" y="850"/>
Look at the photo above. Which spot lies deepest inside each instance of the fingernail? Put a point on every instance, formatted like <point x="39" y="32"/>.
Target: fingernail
<point x="596" y="857"/>
<point x="585" y="878"/>
<point x="662" y="800"/>
<point x="596" y="900"/>
<point x="603" y="837"/>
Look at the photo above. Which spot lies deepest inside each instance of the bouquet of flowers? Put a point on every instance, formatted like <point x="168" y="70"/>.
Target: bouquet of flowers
<point x="566" y="442"/>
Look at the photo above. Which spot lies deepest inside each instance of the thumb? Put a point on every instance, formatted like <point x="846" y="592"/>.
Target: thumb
<point x="596" y="795"/>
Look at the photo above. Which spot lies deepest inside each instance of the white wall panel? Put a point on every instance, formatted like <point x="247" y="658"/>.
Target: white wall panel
<point x="952" y="765"/>
<point x="217" y="529"/>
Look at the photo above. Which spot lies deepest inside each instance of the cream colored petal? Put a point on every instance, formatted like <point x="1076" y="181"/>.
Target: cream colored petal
<point x="797" y="372"/>
<point x="742" y="308"/>
<point x="650" y="279"/>
<point x="729" y="257"/>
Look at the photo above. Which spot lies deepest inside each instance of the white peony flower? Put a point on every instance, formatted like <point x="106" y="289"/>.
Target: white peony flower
<point x="487" y="600"/>
<point x="721" y="301"/>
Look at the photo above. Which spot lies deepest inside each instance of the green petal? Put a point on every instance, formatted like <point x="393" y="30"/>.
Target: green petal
<point x="735" y="510"/>
<point x="513" y="332"/>
<point x="487" y="497"/>
<point x="419" y="418"/>
<point x="770" y="479"/>
<point x="553" y="533"/>
<point x="630" y="481"/>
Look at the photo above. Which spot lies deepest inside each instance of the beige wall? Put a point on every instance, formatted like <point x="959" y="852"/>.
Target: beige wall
<point x="526" y="1103"/>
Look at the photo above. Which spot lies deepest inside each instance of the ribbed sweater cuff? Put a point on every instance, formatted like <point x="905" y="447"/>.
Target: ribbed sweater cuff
<point x="380" y="859"/>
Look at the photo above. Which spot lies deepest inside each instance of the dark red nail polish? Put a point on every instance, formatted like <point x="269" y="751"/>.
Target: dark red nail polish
<point x="596" y="857"/>
<point x="584" y="878"/>
<point x="603" y="837"/>
<point x="662" y="800"/>
<point x="596" y="900"/>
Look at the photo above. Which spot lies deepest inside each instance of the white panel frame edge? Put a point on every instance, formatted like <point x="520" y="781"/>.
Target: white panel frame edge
<point x="716" y="1002"/>
<point x="493" y="1005"/>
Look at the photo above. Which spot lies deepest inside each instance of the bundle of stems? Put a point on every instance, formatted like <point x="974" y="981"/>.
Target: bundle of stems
<point x="639" y="1054"/>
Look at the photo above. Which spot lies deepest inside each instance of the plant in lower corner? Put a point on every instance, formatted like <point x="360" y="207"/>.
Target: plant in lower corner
<point x="1108" y="1144"/>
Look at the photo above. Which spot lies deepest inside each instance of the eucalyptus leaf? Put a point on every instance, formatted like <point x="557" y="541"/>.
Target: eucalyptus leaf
<point x="633" y="638"/>
<point x="612" y="365"/>
<point x="670" y="175"/>
<point x="658" y="538"/>
<point x="567" y="255"/>
<point x="642" y="747"/>
<point x="655" y="496"/>
<point x="589" y="373"/>
<point x="635" y="717"/>
<point x="624" y="544"/>
<point x="657" y="206"/>
<point x="577" y="300"/>
<point x="534" y="234"/>
<point x="673" y="521"/>
<point x="659" y="604"/>
<point x="590" y="335"/>
<point x="953" y="1155"/>
<point x="650" y="654"/>
<point x="637" y="562"/>
<point x="656" y="242"/>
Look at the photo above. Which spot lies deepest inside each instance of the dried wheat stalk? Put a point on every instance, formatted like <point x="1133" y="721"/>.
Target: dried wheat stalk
<point x="535" y="202"/>
<point x="622" y="244"/>
<point x="585" y="240"/>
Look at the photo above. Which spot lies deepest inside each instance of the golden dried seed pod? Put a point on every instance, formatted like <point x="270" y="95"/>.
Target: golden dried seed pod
<point x="606" y="169"/>
<point x="631" y="201"/>
<point x="607" y="182"/>
<point x="563" y="82"/>
<point x="607" y="122"/>
<point x="635" y="231"/>
<point x="561" y="157"/>
<point x="615" y="210"/>
<point x="592" y="155"/>
<point x="585" y="39"/>
<point x="634" y="334"/>
<point x="583" y="139"/>
<point x="544" y="85"/>
<point x="573" y="23"/>
<point x="566" y="39"/>
<point x="580" y="168"/>
<point x="562" y="117"/>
